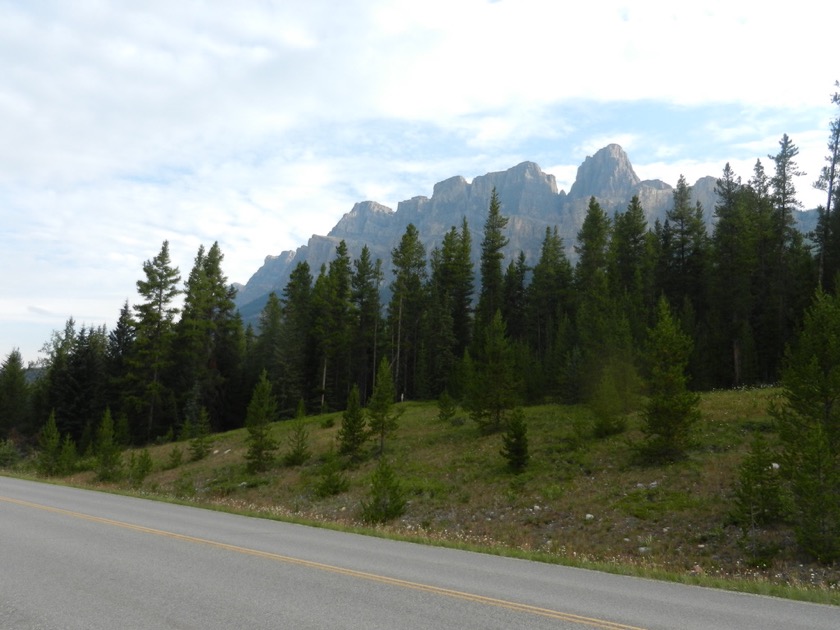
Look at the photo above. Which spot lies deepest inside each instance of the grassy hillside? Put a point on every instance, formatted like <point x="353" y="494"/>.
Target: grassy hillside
<point x="581" y="500"/>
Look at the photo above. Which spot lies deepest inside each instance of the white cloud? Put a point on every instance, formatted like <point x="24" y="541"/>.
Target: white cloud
<point x="259" y="124"/>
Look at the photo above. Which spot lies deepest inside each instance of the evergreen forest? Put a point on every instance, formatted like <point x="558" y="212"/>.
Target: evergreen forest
<point x="630" y="318"/>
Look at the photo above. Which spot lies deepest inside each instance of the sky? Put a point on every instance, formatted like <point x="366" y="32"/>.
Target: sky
<point x="256" y="124"/>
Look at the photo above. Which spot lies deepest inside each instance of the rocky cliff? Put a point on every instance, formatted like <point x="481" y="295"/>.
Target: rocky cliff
<point x="528" y="196"/>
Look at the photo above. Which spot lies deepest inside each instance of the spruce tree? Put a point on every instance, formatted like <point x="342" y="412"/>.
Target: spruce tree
<point x="386" y="499"/>
<point x="262" y="411"/>
<point x="154" y="318"/>
<point x="494" y="241"/>
<point x="493" y="388"/>
<point x="49" y="448"/>
<point x="382" y="420"/>
<point x="515" y="441"/>
<point x="405" y="310"/>
<point x="366" y="281"/>
<point x="107" y="451"/>
<point x="353" y="431"/>
<point x="809" y="429"/>
<point x="298" y="439"/>
<point x="672" y="410"/>
<point x="15" y="404"/>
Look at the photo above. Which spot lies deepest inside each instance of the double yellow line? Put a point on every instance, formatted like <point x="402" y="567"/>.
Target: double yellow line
<point x="373" y="577"/>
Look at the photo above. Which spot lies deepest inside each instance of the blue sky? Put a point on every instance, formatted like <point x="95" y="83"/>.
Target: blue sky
<point x="258" y="124"/>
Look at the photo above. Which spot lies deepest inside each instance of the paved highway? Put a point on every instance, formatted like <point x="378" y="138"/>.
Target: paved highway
<point x="77" y="559"/>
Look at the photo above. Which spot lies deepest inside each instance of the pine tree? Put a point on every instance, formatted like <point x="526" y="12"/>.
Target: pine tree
<point x="549" y="296"/>
<point x="672" y="410"/>
<point x="201" y="440"/>
<point x="386" y="500"/>
<point x="828" y="231"/>
<point x="491" y="294"/>
<point x="515" y="442"/>
<point x="49" y="448"/>
<point x="108" y="455"/>
<point x="382" y="420"/>
<point x="154" y="319"/>
<point x="207" y="345"/>
<point x="67" y="456"/>
<point x="405" y="310"/>
<point x="366" y="281"/>
<point x="121" y="347"/>
<point x="262" y="411"/>
<point x="809" y="429"/>
<point x="683" y="270"/>
<point x="333" y="327"/>
<point x="331" y="479"/>
<point x="514" y="299"/>
<point x="353" y="431"/>
<point x="629" y="268"/>
<point x="596" y="310"/>
<point x="493" y="388"/>
<point x="298" y="355"/>
<point x="298" y="440"/>
<point x="15" y="405"/>
<point x="453" y="283"/>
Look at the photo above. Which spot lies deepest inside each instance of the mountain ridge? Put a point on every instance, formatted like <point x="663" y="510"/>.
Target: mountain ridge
<point x="529" y="198"/>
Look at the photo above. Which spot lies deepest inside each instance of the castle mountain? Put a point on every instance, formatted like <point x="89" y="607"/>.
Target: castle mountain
<point x="529" y="198"/>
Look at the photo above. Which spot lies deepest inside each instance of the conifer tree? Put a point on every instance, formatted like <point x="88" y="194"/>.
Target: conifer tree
<point x="154" y="319"/>
<point x="493" y="389"/>
<point x="49" y="448"/>
<point x="333" y="326"/>
<point x="298" y="357"/>
<point x="809" y="429"/>
<point x="298" y="439"/>
<point x="405" y="310"/>
<point x="108" y="455"/>
<point x="672" y="410"/>
<point x="353" y="431"/>
<point x="386" y="500"/>
<point x="207" y="345"/>
<point x="515" y="442"/>
<point x="828" y="231"/>
<point x="366" y="281"/>
<point x="629" y="268"/>
<point x="262" y="411"/>
<point x="549" y="296"/>
<point x="382" y="420"/>
<point x="201" y="440"/>
<point x="514" y="299"/>
<point x="15" y="405"/>
<point x="494" y="241"/>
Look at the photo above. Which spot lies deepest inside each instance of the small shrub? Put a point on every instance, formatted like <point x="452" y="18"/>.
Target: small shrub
<point x="176" y="457"/>
<point x="299" y="452"/>
<point x="386" y="499"/>
<point x="200" y="441"/>
<point x="331" y="480"/>
<point x="515" y="442"/>
<point x="9" y="455"/>
<point x="139" y="467"/>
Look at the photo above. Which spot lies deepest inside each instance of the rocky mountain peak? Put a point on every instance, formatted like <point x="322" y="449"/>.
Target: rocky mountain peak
<point x="606" y="175"/>
<point x="364" y="218"/>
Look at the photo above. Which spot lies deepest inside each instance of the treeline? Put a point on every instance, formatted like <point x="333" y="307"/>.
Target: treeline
<point x="567" y="332"/>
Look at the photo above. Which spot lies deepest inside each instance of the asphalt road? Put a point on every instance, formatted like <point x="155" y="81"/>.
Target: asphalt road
<point x="76" y="559"/>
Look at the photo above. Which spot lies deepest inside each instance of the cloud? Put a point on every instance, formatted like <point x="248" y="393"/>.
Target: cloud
<point x="260" y="124"/>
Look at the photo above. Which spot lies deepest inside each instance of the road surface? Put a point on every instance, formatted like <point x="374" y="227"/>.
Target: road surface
<point x="78" y="559"/>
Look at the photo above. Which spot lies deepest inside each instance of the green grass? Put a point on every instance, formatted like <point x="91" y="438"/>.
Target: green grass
<point x="581" y="501"/>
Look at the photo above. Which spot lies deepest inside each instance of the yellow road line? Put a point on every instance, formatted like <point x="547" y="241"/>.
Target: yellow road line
<point x="373" y="577"/>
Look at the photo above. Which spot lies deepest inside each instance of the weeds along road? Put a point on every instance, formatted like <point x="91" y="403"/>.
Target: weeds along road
<point x="77" y="559"/>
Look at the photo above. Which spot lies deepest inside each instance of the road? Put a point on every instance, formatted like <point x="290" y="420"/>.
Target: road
<point x="78" y="559"/>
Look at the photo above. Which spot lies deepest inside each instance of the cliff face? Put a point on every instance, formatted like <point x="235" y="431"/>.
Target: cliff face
<point x="528" y="196"/>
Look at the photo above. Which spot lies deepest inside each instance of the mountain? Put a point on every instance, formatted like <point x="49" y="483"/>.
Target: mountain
<point x="528" y="196"/>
